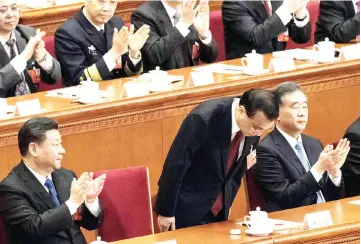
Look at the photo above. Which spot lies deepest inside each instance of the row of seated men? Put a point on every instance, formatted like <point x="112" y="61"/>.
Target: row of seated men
<point x="95" y="44"/>
<point x="217" y="143"/>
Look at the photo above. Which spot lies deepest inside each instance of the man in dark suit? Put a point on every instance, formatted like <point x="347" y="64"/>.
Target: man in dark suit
<point x="339" y="21"/>
<point x="89" y="46"/>
<point x="209" y="156"/>
<point x="41" y="202"/>
<point x="22" y="50"/>
<point x="351" y="168"/>
<point x="179" y="34"/>
<point x="292" y="169"/>
<point x="263" y="25"/>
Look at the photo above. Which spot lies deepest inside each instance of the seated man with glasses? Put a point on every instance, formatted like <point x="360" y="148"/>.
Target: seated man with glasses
<point x="209" y="156"/>
<point x="23" y="58"/>
<point x="95" y="45"/>
<point x="293" y="169"/>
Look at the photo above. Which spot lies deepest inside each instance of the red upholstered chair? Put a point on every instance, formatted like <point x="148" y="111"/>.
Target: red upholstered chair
<point x="126" y="204"/>
<point x="216" y="27"/>
<point x="3" y="239"/>
<point x="312" y="7"/>
<point x="254" y="193"/>
<point x="49" y="46"/>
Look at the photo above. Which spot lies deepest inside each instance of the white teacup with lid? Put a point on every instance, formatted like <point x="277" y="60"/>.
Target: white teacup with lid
<point x="326" y="50"/>
<point x="253" y="62"/>
<point x="159" y="78"/>
<point x="258" y="222"/>
<point x="98" y="241"/>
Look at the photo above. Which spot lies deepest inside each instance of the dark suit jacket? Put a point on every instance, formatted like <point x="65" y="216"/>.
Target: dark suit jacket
<point x="247" y="26"/>
<point x="166" y="47"/>
<point x="9" y="78"/>
<point x="30" y="215"/>
<point x="337" y="21"/>
<point x="194" y="170"/>
<point x="351" y="167"/>
<point x="282" y="178"/>
<point x="80" y="47"/>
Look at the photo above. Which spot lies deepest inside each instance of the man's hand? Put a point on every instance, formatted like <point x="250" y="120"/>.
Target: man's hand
<point x="339" y="158"/>
<point x="120" y="41"/>
<point x="201" y="22"/>
<point x="293" y="6"/>
<point x="79" y="189"/>
<point x="188" y="12"/>
<point x="324" y="161"/>
<point x="165" y="222"/>
<point x="137" y="39"/>
<point x="32" y="45"/>
<point x="95" y="187"/>
<point x="40" y="50"/>
<point x="302" y="12"/>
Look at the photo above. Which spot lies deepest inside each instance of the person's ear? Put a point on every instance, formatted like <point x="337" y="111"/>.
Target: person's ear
<point x="33" y="149"/>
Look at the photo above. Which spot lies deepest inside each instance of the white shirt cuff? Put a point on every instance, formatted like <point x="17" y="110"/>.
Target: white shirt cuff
<point x="47" y="63"/>
<point x="94" y="207"/>
<point x="316" y="175"/>
<point x="135" y="61"/>
<point x="302" y="23"/>
<point x="208" y="40"/>
<point x="284" y="15"/>
<point x="19" y="64"/>
<point x="336" y="180"/>
<point x="71" y="206"/>
<point x="109" y="59"/>
<point x="183" y="29"/>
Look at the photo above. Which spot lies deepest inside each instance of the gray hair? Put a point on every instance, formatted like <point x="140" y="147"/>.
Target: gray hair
<point x="284" y="89"/>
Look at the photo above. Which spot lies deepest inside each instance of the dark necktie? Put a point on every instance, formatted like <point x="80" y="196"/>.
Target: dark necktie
<point x="304" y="160"/>
<point x="232" y="159"/>
<point x="21" y="88"/>
<point x="52" y="191"/>
<point x="267" y="7"/>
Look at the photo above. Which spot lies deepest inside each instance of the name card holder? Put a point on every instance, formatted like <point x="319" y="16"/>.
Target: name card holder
<point x="282" y="64"/>
<point x="28" y="107"/>
<point x="317" y="220"/>
<point x="200" y="78"/>
<point x="351" y="52"/>
<point x="134" y="89"/>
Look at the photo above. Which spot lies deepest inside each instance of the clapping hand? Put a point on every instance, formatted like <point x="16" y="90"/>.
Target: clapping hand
<point x="137" y="39"/>
<point x="201" y="21"/>
<point x="95" y="187"/>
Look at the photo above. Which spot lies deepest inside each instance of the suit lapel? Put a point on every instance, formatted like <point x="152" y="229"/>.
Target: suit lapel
<point x="285" y="148"/>
<point x="259" y="9"/>
<point x="34" y="185"/>
<point x="225" y="134"/>
<point x="311" y="153"/>
<point x="93" y="36"/>
<point x="4" y="57"/>
<point x="62" y="186"/>
<point x="20" y="42"/>
<point x="109" y="30"/>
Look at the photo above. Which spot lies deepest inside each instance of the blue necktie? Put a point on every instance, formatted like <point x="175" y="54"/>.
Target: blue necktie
<point x="54" y="196"/>
<point x="303" y="158"/>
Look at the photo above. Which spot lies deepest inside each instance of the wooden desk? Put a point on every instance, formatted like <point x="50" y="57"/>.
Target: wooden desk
<point x="346" y="229"/>
<point x="139" y="131"/>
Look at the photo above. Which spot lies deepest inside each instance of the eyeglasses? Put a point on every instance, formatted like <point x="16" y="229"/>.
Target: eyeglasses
<point x="102" y="3"/>
<point x="14" y="9"/>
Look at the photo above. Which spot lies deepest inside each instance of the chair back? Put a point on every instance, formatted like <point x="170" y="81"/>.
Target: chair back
<point x="3" y="239"/>
<point x="254" y="193"/>
<point x="216" y="27"/>
<point x="312" y="7"/>
<point x="49" y="46"/>
<point x="126" y="204"/>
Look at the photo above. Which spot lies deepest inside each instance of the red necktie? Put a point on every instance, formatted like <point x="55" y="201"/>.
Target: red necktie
<point x="267" y="7"/>
<point x="232" y="159"/>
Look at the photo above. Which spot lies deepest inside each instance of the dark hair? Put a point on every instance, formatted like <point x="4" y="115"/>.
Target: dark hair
<point x="284" y="89"/>
<point x="34" y="130"/>
<point x="255" y="100"/>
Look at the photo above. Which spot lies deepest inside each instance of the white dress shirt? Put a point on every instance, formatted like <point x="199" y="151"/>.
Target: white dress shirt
<point x="94" y="207"/>
<point x="292" y="141"/>
<point x="108" y="57"/>
<point x="180" y="26"/>
<point x="235" y="127"/>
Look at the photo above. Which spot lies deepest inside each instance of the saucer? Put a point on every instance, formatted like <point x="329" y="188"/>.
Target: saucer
<point x="251" y="72"/>
<point x="324" y="61"/>
<point x="90" y="100"/>
<point x="266" y="233"/>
